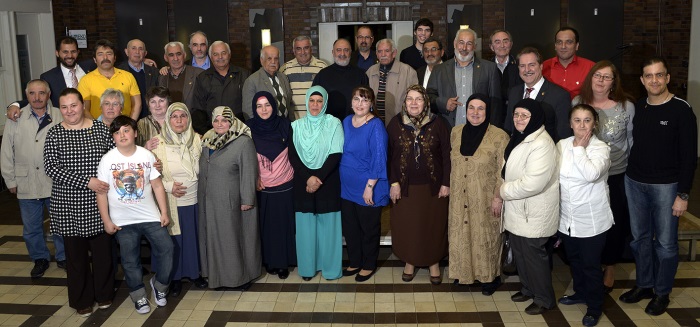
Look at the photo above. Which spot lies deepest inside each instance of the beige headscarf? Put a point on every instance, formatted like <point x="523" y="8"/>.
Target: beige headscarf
<point x="215" y="141"/>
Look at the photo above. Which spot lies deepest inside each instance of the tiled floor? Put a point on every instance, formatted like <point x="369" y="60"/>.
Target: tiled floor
<point x="384" y="300"/>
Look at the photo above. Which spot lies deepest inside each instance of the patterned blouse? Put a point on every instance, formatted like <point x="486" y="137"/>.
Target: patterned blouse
<point x="71" y="158"/>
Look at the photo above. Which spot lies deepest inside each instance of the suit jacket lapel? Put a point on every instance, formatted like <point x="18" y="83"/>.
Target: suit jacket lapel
<point x="476" y="75"/>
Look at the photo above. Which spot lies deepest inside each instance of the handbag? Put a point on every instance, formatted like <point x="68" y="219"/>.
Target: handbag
<point x="507" y="260"/>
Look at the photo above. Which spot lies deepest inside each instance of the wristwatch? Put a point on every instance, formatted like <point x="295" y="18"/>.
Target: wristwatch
<point x="683" y="196"/>
<point x="370" y="185"/>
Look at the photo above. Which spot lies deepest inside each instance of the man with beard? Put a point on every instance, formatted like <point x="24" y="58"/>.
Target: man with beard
<point x="432" y="52"/>
<point x="220" y="85"/>
<point x="22" y="148"/>
<point x="267" y="78"/>
<point x="452" y="82"/>
<point x="567" y="69"/>
<point x="413" y="55"/>
<point x="181" y="79"/>
<point x="146" y="76"/>
<point x="198" y="47"/>
<point x="67" y="74"/>
<point x="301" y="72"/>
<point x="389" y="79"/>
<point x="364" y="57"/>
<point x="501" y="44"/>
<point x="107" y="76"/>
<point x="554" y="99"/>
<point x="339" y="79"/>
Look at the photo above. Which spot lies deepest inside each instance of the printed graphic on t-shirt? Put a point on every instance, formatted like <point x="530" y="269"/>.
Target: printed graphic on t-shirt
<point x="129" y="184"/>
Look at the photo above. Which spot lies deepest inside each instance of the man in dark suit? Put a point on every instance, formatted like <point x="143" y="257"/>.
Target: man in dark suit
<point x="452" y="82"/>
<point x="146" y="76"/>
<point x="555" y="100"/>
<point x="501" y="44"/>
<point x="180" y="79"/>
<point x="433" y="52"/>
<point x="268" y="78"/>
<point x="59" y="77"/>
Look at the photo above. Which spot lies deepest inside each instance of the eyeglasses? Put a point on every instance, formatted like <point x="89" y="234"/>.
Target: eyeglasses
<point x="417" y="100"/>
<point x="430" y="50"/>
<point x="360" y="100"/>
<point x="519" y="116"/>
<point x="604" y="77"/>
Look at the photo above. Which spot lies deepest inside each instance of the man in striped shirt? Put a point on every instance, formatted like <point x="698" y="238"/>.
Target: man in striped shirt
<point x="301" y="72"/>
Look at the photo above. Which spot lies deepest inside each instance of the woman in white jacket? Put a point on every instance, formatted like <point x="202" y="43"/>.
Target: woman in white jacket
<point x="531" y="210"/>
<point x="586" y="216"/>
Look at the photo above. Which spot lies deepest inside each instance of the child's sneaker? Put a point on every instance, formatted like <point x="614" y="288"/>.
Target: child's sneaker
<point x="142" y="306"/>
<point x="158" y="297"/>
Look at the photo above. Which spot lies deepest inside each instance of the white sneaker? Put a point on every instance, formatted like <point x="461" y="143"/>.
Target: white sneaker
<point x="158" y="297"/>
<point x="142" y="306"/>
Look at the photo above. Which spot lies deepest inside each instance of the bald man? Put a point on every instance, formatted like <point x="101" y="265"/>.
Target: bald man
<point x="146" y="76"/>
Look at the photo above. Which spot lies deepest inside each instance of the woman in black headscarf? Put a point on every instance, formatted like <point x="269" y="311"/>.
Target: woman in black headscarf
<point x="271" y="134"/>
<point x="474" y="228"/>
<point x="530" y="191"/>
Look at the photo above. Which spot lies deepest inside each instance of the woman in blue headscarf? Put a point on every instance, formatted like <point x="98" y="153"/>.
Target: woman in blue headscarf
<point x="275" y="196"/>
<point x="315" y="151"/>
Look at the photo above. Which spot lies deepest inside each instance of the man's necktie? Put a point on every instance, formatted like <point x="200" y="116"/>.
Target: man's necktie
<point x="381" y="94"/>
<point x="528" y="90"/>
<point x="73" y="78"/>
<point x="280" y="99"/>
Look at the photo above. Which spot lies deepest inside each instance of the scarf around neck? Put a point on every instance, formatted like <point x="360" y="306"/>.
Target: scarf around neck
<point x="215" y="141"/>
<point x="317" y="137"/>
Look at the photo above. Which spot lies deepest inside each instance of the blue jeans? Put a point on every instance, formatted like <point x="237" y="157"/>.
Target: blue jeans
<point x="654" y="232"/>
<point x="32" y="212"/>
<point x="129" y="238"/>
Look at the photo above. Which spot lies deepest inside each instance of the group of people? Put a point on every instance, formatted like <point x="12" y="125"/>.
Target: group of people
<point x="227" y="172"/>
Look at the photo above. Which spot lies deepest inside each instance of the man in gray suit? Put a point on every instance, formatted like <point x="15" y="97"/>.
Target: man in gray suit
<point x="555" y="100"/>
<point x="180" y="79"/>
<point x="453" y="81"/>
<point x="268" y="79"/>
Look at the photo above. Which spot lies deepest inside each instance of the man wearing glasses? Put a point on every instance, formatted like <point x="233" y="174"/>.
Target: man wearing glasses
<point x="364" y="57"/>
<point x="567" y="69"/>
<point x="432" y="53"/>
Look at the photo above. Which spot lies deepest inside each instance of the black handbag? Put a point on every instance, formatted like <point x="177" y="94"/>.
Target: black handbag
<point x="507" y="259"/>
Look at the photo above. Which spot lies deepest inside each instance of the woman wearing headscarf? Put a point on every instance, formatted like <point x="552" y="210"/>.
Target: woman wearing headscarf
<point x="474" y="228"/>
<point x="315" y="151"/>
<point x="530" y="191"/>
<point x="419" y="173"/>
<point x="275" y="195"/>
<point x="364" y="186"/>
<point x="229" y="240"/>
<point x="179" y="149"/>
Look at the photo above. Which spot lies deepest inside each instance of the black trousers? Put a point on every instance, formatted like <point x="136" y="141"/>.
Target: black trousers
<point x="619" y="234"/>
<point x="90" y="270"/>
<point x="584" y="259"/>
<point x="361" y="229"/>
<point x="532" y="259"/>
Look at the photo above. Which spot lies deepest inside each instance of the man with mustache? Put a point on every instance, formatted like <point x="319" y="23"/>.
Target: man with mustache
<point x="389" y="79"/>
<point x="452" y="82"/>
<point x="432" y="52"/>
<point x="567" y="69"/>
<point x="107" y="76"/>
<point x="146" y="76"/>
<point x="554" y="99"/>
<point x="414" y="55"/>
<point x="198" y="47"/>
<point x="339" y="79"/>
<point x="301" y="72"/>
<point x="22" y="166"/>
<point x="180" y="79"/>
<point x="364" y="57"/>
<point x="67" y="74"/>
<point x="220" y="85"/>
<point x="268" y="79"/>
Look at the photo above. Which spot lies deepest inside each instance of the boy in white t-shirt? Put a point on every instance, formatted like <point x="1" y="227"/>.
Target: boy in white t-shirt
<point x="129" y="212"/>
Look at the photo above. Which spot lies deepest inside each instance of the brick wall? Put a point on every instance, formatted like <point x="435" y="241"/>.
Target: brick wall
<point x="641" y="27"/>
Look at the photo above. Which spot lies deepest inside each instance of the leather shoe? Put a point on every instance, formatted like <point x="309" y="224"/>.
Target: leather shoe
<point x="306" y="279"/>
<point x="271" y="271"/>
<point x="636" y="294"/>
<point x="590" y="320"/>
<point x="535" y="309"/>
<point x="201" y="282"/>
<point x="490" y="288"/>
<point x="409" y="277"/>
<point x="283" y="273"/>
<point x="364" y="278"/>
<point x="607" y="289"/>
<point x="657" y="306"/>
<point x="436" y="280"/>
<point x="347" y="272"/>
<point x="40" y="266"/>
<point x="519" y="297"/>
<point x="571" y="299"/>
<point x="61" y="264"/>
<point x="175" y="288"/>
